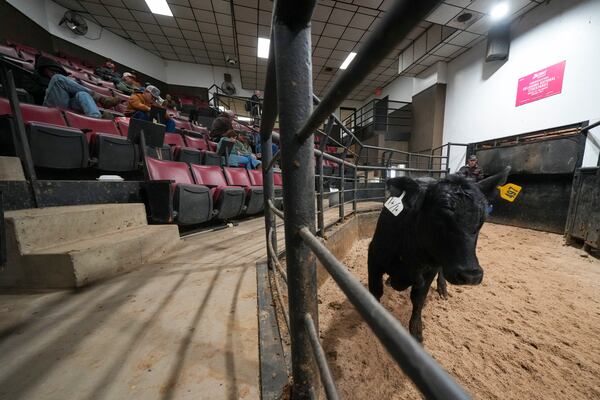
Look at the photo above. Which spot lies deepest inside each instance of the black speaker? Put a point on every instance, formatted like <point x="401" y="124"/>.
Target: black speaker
<point x="498" y="43"/>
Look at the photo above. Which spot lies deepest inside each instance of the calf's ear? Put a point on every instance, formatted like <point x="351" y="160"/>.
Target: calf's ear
<point x="489" y="184"/>
<point x="410" y="187"/>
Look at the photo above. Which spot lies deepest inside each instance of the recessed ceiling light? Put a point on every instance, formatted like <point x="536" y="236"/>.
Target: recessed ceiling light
<point x="263" y="48"/>
<point x="348" y="60"/>
<point x="159" y="7"/>
<point x="499" y="11"/>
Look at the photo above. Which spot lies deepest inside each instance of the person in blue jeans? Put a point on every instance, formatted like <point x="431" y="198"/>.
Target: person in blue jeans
<point x="51" y="87"/>
<point x="242" y="153"/>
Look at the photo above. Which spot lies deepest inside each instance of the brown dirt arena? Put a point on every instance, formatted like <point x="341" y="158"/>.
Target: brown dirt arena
<point x="530" y="331"/>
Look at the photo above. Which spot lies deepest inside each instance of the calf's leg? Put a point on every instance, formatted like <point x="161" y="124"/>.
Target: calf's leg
<point x="442" y="288"/>
<point x="418" y="294"/>
<point x="375" y="277"/>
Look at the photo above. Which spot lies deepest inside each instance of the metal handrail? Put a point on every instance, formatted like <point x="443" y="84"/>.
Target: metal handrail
<point x="290" y="77"/>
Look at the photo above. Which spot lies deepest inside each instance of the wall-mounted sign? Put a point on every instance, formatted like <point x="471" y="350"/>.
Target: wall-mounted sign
<point x="544" y="83"/>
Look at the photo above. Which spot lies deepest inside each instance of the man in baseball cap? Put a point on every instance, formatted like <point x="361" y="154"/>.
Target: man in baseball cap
<point x="128" y="84"/>
<point x="472" y="169"/>
<point x="141" y="103"/>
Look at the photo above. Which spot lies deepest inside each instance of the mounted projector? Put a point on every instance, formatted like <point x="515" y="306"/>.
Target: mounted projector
<point x="75" y="22"/>
<point x="230" y="60"/>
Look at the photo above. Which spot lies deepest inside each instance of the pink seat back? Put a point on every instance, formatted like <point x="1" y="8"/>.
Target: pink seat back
<point x="168" y="170"/>
<point x="209" y="175"/>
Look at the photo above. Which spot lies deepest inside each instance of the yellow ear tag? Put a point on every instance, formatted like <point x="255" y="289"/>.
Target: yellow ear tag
<point x="509" y="192"/>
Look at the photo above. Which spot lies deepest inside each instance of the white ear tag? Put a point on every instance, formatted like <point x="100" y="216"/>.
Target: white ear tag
<point x="394" y="204"/>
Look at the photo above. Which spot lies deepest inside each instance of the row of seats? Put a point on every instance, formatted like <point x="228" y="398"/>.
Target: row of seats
<point x="84" y="75"/>
<point x="203" y="192"/>
<point x="65" y="140"/>
<point x="25" y="56"/>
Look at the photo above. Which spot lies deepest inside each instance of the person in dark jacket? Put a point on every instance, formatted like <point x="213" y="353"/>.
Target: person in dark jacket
<point x="108" y="72"/>
<point x="50" y="86"/>
<point x="471" y="170"/>
<point x="221" y="125"/>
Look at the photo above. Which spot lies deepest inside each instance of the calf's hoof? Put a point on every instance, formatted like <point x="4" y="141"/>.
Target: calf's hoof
<point x="442" y="292"/>
<point x="416" y="330"/>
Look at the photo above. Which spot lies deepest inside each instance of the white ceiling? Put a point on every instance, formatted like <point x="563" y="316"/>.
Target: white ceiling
<point x="208" y="31"/>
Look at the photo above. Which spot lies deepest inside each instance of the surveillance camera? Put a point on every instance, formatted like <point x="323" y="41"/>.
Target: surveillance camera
<point x="231" y="60"/>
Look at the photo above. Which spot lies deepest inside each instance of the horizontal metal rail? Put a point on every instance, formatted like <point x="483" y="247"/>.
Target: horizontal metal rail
<point x="421" y="368"/>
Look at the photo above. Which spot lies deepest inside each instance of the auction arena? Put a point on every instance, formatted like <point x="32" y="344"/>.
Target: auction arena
<point x="188" y="190"/>
<point x="529" y="331"/>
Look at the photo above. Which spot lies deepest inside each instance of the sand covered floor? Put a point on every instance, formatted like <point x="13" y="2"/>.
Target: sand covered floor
<point x="530" y="331"/>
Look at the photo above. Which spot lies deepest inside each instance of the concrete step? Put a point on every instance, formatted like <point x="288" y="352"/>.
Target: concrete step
<point x="75" y="264"/>
<point x="39" y="228"/>
<point x="11" y="169"/>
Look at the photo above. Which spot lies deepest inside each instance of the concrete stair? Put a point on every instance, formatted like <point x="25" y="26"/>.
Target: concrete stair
<point x="67" y="247"/>
<point x="11" y="169"/>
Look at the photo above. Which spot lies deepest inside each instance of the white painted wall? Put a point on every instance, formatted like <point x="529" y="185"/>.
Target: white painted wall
<point x="199" y="75"/>
<point x="480" y="97"/>
<point x="47" y="14"/>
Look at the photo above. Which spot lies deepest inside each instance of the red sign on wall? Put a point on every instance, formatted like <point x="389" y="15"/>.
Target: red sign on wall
<point x="544" y="83"/>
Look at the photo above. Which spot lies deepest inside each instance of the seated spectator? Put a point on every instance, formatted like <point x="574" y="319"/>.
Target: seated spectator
<point x="169" y="102"/>
<point x="241" y="152"/>
<point x="108" y="72"/>
<point x="129" y="84"/>
<point x="50" y="86"/>
<point x="146" y="105"/>
<point x="221" y="124"/>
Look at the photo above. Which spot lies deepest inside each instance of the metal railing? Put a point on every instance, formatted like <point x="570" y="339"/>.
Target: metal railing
<point x="288" y="92"/>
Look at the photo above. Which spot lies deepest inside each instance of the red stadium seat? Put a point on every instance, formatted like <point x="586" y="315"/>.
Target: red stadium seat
<point x="114" y="152"/>
<point x="174" y="139"/>
<point x="229" y="202"/>
<point x="182" y="125"/>
<point x="254" y="194"/>
<point x="208" y="157"/>
<point x="191" y="203"/>
<point x="98" y="89"/>
<point x="9" y="51"/>
<point x="52" y="143"/>
<point x="200" y="129"/>
<point x="196" y="143"/>
<point x="256" y="178"/>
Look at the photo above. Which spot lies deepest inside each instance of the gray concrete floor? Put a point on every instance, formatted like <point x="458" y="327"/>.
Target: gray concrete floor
<point x="182" y="328"/>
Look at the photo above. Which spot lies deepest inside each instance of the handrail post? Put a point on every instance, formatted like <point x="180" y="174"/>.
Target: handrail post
<point x="355" y="188"/>
<point x="342" y="190"/>
<point x="266" y="140"/>
<point x="292" y="41"/>
<point x="320" y="208"/>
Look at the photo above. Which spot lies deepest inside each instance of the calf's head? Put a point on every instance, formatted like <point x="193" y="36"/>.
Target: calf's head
<point x="448" y="215"/>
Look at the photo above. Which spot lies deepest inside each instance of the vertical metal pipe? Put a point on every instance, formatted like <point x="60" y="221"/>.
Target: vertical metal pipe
<point x="355" y="187"/>
<point x="342" y="191"/>
<point x="320" y="208"/>
<point x="266" y="140"/>
<point x="294" y="86"/>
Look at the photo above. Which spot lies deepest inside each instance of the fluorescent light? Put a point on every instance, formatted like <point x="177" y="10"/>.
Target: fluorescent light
<point x="348" y="60"/>
<point x="159" y="7"/>
<point x="245" y="119"/>
<point x="263" y="47"/>
<point x="499" y="11"/>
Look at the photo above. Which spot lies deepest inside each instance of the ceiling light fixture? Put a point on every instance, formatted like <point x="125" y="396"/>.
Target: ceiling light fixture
<point x="262" y="50"/>
<point x="159" y="7"/>
<point x="348" y="60"/>
<point x="499" y="11"/>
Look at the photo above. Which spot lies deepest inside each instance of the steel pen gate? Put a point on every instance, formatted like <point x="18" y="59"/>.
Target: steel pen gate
<point x="288" y="93"/>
